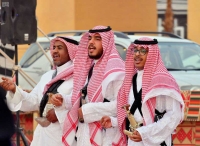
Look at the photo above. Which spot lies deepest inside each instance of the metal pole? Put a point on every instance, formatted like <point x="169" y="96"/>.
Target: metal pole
<point x="17" y="113"/>
<point x="18" y="129"/>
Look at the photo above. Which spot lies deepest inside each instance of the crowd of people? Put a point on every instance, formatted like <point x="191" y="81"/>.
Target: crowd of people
<point x="89" y="85"/>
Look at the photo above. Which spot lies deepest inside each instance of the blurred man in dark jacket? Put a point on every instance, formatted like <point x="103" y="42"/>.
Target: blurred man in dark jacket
<point x="7" y="128"/>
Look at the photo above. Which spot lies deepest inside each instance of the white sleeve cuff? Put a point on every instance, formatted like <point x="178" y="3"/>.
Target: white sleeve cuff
<point x="14" y="100"/>
<point x="67" y="103"/>
<point x="60" y="114"/>
<point x="114" y="121"/>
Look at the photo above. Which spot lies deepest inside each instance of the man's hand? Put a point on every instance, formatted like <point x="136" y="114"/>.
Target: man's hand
<point x="8" y="84"/>
<point x="135" y="136"/>
<point x="26" y="90"/>
<point x="80" y="115"/>
<point x="106" y="122"/>
<point x="56" y="99"/>
<point x="51" y="116"/>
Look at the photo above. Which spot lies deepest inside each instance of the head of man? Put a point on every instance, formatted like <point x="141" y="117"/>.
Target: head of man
<point x="139" y="56"/>
<point x="95" y="48"/>
<point x="63" y="50"/>
<point x="60" y="53"/>
<point x="98" y="41"/>
<point x="140" y="50"/>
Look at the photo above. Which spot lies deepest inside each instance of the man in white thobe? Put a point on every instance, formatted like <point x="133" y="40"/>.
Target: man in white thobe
<point x="63" y="52"/>
<point x="99" y="73"/>
<point x="153" y="95"/>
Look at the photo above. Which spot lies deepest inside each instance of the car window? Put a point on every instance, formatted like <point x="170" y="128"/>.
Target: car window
<point x="122" y="51"/>
<point x="180" y="55"/>
<point x="33" y="53"/>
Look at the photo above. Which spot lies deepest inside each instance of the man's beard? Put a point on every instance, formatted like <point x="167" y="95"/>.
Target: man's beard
<point x="95" y="57"/>
<point x="57" y="63"/>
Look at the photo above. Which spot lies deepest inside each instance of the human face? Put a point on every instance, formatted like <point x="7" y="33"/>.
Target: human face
<point x="139" y="57"/>
<point x="95" y="49"/>
<point x="60" y="53"/>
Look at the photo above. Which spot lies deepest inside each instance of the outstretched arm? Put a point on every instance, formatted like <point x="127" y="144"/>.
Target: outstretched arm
<point x="8" y="84"/>
<point x="96" y="110"/>
<point x="108" y="122"/>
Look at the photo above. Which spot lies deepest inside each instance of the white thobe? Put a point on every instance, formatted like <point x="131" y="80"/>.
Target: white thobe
<point x="157" y="132"/>
<point x="21" y="100"/>
<point x="95" y="111"/>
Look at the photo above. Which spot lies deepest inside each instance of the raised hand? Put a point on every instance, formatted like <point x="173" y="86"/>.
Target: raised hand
<point x="56" y="99"/>
<point x="80" y="115"/>
<point x="51" y="116"/>
<point x="106" y="122"/>
<point x="135" y="136"/>
<point x="8" y="84"/>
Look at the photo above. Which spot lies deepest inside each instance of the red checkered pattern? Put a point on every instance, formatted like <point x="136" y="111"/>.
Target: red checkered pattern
<point x="109" y="62"/>
<point x="155" y="76"/>
<point x="68" y="73"/>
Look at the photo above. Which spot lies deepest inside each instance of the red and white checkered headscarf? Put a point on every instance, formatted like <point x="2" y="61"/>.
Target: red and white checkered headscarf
<point x="72" y="47"/>
<point x="109" y="62"/>
<point x="155" y="76"/>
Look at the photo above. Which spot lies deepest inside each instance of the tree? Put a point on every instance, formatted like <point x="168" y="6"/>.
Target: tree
<point x="169" y="18"/>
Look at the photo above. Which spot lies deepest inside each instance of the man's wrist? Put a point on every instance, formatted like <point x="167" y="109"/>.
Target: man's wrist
<point x="81" y="119"/>
<point x="14" y="90"/>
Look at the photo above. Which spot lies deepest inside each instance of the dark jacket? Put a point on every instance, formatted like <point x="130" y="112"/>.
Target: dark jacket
<point x="7" y="128"/>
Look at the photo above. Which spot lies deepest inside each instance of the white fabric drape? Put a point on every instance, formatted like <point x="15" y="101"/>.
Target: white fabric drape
<point x="21" y="100"/>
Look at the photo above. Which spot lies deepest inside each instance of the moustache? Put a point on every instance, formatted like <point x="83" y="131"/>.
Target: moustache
<point x="91" y="46"/>
<point x="55" y="53"/>
<point x="137" y="58"/>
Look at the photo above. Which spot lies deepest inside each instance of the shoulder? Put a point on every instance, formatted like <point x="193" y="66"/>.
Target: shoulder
<point x="113" y="78"/>
<point x="47" y="74"/>
<point x="115" y="62"/>
<point x="115" y="69"/>
<point x="115" y="65"/>
<point x="167" y="93"/>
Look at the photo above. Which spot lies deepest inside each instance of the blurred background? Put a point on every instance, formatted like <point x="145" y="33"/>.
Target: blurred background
<point x="132" y="15"/>
<point x="180" y="17"/>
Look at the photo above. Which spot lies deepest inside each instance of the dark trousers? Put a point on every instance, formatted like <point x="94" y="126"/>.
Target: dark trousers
<point x="5" y="142"/>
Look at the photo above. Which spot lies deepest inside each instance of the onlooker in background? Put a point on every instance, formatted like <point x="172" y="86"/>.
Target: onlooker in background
<point x="7" y="127"/>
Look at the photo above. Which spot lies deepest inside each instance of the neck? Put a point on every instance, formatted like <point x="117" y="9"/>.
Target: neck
<point x="62" y="64"/>
<point x="95" y="60"/>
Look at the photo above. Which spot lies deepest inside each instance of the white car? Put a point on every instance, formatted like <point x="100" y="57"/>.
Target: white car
<point x="180" y="56"/>
<point x="7" y="54"/>
<point x="34" y="63"/>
